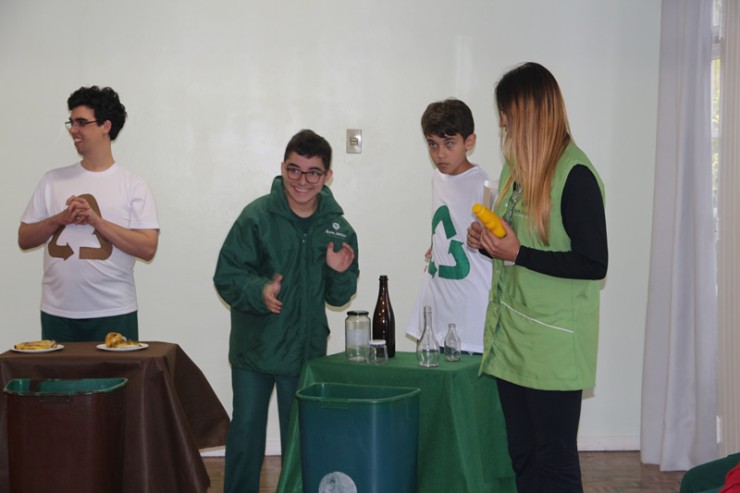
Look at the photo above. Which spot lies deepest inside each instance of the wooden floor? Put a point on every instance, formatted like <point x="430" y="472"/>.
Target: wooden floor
<point x="603" y="472"/>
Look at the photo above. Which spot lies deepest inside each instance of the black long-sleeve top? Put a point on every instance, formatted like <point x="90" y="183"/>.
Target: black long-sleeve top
<point x="582" y="208"/>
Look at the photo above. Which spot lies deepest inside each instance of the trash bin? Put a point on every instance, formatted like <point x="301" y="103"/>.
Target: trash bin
<point x="65" y="435"/>
<point x="358" y="438"/>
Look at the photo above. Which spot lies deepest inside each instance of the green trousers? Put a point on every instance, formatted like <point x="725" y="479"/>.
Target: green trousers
<point x="245" y="442"/>
<point x="63" y="329"/>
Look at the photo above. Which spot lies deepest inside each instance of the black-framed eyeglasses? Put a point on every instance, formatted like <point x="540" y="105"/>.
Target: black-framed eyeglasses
<point x="78" y="122"/>
<point x="312" y="176"/>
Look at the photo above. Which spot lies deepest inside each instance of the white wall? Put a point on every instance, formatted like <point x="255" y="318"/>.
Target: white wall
<point x="215" y="89"/>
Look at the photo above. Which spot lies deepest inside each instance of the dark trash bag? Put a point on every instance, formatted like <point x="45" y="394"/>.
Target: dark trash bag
<point x="358" y="438"/>
<point x="65" y="435"/>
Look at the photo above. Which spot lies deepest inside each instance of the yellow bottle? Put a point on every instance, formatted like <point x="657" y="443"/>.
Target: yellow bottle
<point x="490" y="220"/>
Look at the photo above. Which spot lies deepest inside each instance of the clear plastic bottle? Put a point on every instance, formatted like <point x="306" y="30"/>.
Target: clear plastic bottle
<point x="427" y="349"/>
<point x="452" y="344"/>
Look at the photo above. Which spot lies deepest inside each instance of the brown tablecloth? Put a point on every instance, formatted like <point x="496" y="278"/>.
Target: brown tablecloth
<point x="171" y="410"/>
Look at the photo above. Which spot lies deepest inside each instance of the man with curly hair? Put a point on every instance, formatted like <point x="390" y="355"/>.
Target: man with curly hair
<point x="94" y="219"/>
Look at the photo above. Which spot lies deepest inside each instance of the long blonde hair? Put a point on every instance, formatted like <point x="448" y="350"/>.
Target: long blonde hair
<point x="536" y="134"/>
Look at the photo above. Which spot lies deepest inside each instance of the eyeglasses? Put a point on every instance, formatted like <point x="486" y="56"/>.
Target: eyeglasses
<point x="312" y="176"/>
<point x="78" y="122"/>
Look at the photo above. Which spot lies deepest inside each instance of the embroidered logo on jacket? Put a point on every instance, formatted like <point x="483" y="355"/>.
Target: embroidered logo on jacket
<point x="334" y="232"/>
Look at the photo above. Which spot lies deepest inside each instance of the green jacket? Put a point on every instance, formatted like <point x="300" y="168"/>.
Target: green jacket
<point x="269" y="239"/>
<point x="542" y="331"/>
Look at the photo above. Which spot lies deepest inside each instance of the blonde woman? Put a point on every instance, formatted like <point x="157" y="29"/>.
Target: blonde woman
<point x="542" y="320"/>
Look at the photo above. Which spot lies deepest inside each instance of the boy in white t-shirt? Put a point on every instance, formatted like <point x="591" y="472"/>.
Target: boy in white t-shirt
<point x="94" y="218"/>
<point x="457" y="279"/>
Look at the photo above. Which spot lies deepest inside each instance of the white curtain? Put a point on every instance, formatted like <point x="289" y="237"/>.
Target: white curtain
<point x="679" y="392"/>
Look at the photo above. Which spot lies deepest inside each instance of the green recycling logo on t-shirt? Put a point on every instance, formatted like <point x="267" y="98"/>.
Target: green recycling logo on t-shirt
<point x="462" y="265"/>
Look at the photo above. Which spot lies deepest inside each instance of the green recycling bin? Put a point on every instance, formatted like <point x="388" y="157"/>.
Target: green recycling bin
<point x="358" y="438"/>
<point x="65" y="435"/>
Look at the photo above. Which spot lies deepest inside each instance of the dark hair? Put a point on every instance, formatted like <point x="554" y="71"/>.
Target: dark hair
<point x="104" y="103"/>
<point x="308" y="143"/>
<point x="447" y="118"/>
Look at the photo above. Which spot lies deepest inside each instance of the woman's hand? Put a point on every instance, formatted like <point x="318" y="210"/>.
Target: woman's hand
<point x="506" y="248"/>
<point x="475" y="230"/>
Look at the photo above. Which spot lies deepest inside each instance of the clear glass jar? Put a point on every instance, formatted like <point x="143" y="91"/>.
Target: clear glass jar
<point x="356" y="335"/>
<point x="378" y="353"/>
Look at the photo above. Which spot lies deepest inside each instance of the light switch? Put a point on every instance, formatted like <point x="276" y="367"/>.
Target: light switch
<point x="354" y="141"/>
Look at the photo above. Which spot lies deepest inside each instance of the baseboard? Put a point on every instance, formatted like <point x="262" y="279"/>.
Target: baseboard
<point x="585" y="444"/>
<point x="611" y="443"/>
<point x="213" y="452"/>
<point x="272" y="447"/>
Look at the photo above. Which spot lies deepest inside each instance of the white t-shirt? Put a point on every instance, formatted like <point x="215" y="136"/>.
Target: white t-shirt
<point x="84" y="275"/>
<point x="458" y="279"/>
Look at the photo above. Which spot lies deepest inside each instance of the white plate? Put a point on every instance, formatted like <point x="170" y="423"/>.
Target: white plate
<point x="36" y="351"/>
<point x="124" y="349"/>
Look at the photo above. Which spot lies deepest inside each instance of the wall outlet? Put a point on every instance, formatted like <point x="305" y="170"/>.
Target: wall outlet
<point x="354" y="141"/>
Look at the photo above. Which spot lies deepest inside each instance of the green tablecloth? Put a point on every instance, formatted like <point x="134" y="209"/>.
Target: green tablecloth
<point x="462" y="438"/>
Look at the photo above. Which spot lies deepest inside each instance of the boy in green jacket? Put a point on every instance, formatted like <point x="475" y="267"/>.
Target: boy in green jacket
<point x="287" y="254"/>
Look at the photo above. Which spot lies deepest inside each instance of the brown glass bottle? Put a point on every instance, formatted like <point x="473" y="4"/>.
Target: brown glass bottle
<point x="384" y="323"/>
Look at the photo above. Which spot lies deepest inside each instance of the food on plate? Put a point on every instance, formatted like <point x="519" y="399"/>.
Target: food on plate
<point x="116" y="340"/>
<point x="113" y="339"/>
<point x="37" y="345"/>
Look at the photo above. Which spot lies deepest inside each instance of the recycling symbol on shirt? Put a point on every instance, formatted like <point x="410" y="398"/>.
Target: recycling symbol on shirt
<point x="86" y="253"/>
<point x="462" y="265"/>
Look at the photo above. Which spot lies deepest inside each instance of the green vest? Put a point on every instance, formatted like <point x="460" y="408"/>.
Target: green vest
<point x="542" y="331"/>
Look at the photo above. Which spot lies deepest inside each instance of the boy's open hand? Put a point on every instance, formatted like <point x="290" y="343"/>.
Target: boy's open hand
<point x="270" y="294"/>
<point x="341" y="260"/>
